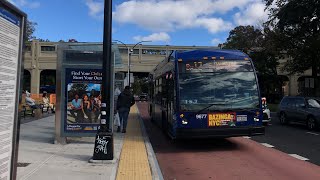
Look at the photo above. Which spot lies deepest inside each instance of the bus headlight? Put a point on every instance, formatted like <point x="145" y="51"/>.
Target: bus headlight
<point x="256" y="117"/>
<point x="184" y="121"/>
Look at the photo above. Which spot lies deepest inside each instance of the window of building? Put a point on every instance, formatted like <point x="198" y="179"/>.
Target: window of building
<point x="154" y="51"/>
<point x="28" y="48"/>
<point x="135" y="51"/>
<point x="123" y="51"/>
<point x="48" y="48"/>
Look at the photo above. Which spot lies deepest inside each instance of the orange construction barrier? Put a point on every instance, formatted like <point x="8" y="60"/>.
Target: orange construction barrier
<point x="53" y="98"/>
<point x="37" y="98"/>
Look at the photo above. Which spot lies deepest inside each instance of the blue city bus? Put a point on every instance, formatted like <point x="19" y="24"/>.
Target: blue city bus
<point x="206" y="93"/>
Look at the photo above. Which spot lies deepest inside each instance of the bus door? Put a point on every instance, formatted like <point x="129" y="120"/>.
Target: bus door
<point x="171" y="98"/>
<point x="164" y="114"/>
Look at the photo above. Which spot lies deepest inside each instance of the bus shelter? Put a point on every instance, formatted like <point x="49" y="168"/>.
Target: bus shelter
<point x="79" y="80"/>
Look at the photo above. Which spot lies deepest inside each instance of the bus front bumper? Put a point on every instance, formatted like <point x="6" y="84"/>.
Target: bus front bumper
<point x="220" y="132"/>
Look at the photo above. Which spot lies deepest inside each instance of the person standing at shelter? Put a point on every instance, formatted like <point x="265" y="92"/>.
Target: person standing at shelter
<point x="124" y="102"/>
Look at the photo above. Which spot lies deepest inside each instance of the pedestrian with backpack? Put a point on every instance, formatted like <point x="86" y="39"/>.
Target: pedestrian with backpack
<point x="124" y="102"/>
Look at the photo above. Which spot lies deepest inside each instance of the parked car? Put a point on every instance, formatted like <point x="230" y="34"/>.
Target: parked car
<point x="266" y="118"/>
<point x="304" y="110"/>
<point x="143" y="96"/>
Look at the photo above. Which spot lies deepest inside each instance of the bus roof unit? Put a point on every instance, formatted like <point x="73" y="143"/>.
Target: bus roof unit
<point x="209" y="53"/>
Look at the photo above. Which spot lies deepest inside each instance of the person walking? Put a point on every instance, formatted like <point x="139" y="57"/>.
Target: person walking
<point x="124" y="102"/>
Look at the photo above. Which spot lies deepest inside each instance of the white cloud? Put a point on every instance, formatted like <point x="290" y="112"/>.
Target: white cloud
<point x="170" y="15"/>
<point x="251" y="15"/>
<point x="26" y="3"/>
<point x="224" y="6"/>
<point x="213" y="25"/>
<point x="216" y="41"/>
<point x="96" y="8"/>
<point x="162" y="37"/>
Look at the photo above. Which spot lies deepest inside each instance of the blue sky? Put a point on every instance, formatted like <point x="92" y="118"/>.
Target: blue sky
<point x="164" y="22"/>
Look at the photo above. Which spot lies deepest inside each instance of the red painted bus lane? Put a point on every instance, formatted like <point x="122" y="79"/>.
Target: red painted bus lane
<point x="232" y="158"/>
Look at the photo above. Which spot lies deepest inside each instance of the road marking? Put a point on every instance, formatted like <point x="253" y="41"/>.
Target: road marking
<point x="267" y="145"/>
<point x="299" y="157"/>
<point x="247" y="137"/>
<point x="313" y="133"/>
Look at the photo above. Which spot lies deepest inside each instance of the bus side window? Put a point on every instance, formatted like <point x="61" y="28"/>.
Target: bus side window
<point x="158" y="97"/>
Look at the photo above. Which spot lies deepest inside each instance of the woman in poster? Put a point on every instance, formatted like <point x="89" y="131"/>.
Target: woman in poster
<point x="86" y="108"/>
<point x="95" y="109"/>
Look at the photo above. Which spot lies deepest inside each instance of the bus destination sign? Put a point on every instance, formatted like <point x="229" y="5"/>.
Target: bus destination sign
<point x="215" y="66"/>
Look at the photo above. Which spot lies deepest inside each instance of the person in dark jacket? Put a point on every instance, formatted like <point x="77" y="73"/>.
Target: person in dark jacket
<point x="124" y="102"/>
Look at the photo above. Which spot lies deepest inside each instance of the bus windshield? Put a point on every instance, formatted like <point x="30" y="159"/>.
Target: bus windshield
<point x="226" y="90"/>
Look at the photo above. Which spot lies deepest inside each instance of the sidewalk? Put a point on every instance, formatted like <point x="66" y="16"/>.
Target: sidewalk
<point x="40" y="159"/>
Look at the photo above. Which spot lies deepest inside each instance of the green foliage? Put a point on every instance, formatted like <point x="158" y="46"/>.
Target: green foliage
<point x="259" y="44"/>
<point x="298" y="22"/>
<point x="244" y="38"/>
<point x="30" y="28"/>
<point x="140" y="86"/>
<point x="79" y="87"/>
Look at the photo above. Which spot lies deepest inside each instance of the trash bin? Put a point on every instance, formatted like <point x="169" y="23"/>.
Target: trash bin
<point x="37" y="113"/>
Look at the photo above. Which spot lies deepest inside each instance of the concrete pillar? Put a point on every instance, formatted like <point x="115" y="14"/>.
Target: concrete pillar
<point x="35" y="71"/>
<point x="285" y="88"/>
<point x="293" y="85"/>
<point x="35" y="81"/>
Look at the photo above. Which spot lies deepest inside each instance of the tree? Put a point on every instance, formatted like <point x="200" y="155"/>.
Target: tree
<point x="259" y="44"/>
<point x="30" y="28"/>
<point x="72" y="40"/>
<point x="244" y="38"/>
<point x="140" y="85"/>
<point x="298" y="22"/>
<point x="42" y="40"/>
<point x="79" y="89"/>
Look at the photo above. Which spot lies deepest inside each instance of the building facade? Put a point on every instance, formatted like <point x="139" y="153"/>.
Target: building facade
<point x="40" y="63"/>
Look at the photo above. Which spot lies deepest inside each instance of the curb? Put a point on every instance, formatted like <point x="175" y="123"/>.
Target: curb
<point x="91" y="160"/>
<point x="153" y="162"/>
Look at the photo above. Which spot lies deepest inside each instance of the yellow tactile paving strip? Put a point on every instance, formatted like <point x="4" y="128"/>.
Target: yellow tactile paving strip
<point x="134" y="163"/>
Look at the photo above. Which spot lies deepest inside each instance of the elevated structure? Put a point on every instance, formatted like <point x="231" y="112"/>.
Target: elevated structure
<point x="41" y="62"/>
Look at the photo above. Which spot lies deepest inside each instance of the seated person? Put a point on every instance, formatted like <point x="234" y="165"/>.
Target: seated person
<point x="31" y="102"/>
<point x="46" y="102"/>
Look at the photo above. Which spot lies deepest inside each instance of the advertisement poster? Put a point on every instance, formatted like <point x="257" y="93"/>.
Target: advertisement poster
<point x="10" y="31"/>
<point x="83" y="101"/>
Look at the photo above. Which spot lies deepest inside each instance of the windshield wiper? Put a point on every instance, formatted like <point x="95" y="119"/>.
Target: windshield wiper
<point x="242" y="109"/>
<point x="210" y="105"/>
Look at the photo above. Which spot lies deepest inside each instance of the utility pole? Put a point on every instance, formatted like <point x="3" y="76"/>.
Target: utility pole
<point x="128" y="54"/>
<point x="103" y="149"/>
<point x="129" y="60"/>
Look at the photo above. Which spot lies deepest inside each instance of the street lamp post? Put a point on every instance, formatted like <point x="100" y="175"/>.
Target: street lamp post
<point x="129" y="60"/>
<point x="128" y="54"/>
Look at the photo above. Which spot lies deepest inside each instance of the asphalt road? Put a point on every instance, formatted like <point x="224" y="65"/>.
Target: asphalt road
<point x="292" y="139"/>
<point x="231" y="158"/>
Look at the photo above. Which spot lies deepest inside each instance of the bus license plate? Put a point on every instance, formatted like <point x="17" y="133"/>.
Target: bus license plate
<point x="241" y="118"/>
<point x="221" y="119"/>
